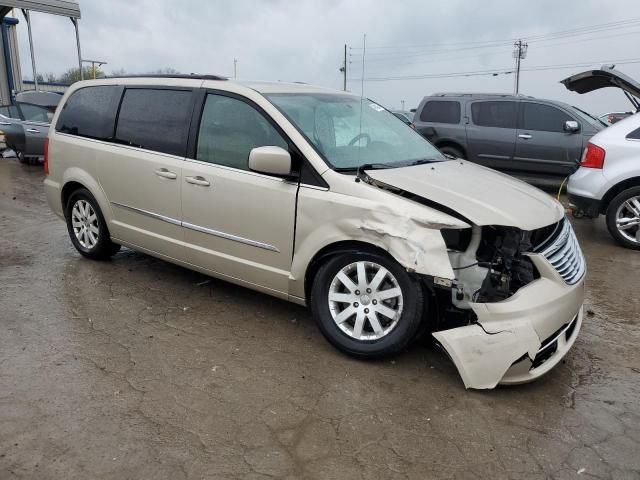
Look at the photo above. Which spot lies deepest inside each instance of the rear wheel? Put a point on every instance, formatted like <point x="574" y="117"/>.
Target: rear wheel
<point x="623" y="218"/>
<point x="366" y="305"/>
<point x="87" y="228"/>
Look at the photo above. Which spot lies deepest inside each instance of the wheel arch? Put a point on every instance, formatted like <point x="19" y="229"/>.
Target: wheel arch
<point x="615" y="190"/>
<point x="453" y="144"/>
<point x="75" y="178"/>
<point x="333" y="249"/>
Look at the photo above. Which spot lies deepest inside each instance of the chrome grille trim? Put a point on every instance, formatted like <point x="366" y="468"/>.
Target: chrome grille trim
<point x="563" y="252"/>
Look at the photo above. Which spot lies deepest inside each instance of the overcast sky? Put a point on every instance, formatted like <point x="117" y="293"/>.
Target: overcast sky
<point x="304" y="41"/>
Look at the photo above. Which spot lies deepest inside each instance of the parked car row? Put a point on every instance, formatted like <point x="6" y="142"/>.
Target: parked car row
<point x="538" y="140"/>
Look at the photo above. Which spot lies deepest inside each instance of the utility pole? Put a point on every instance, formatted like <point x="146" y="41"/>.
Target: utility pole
<point x="402" y="103"/>
<point x="343" y="69"/>
<point x="520" y="53"/>
<point x="235" y="68"/>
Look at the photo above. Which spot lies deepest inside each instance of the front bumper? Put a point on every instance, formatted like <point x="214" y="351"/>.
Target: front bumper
<point x="507" y="344"/>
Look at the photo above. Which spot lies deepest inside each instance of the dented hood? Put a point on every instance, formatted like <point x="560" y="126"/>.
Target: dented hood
<point x="481" y="195"/>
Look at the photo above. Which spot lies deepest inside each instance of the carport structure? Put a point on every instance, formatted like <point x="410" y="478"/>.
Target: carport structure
<point x="65" y="8"/>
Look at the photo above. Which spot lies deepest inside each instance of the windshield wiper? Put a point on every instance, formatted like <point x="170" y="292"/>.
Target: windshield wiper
<point x="422" y="161"/>
<point x="367" y="166"/>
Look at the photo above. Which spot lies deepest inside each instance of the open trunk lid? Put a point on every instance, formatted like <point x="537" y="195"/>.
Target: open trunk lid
<point x="591" y="80"/>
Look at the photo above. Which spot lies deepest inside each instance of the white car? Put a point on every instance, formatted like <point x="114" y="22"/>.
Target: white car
<point x="608" y="180"/>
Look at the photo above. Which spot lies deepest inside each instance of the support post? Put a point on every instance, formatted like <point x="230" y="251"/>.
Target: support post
<point x="344" y="69"/>
<point x="75" y="24"/>
<point x="27" y="17"/>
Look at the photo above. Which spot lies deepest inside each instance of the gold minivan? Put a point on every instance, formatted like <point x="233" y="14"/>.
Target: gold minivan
<point x="325" y="199"/>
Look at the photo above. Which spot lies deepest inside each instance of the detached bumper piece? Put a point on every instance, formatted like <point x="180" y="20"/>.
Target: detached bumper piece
<point x="548" y="356"/>
<point x="521" y="338"/>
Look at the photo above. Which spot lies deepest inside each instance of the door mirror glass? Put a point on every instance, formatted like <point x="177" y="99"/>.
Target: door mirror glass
<point x="270" y="160"/>
<point x="571" y="126"/>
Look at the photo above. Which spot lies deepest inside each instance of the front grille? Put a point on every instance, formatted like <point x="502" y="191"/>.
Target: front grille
<point x="562" y="250"/>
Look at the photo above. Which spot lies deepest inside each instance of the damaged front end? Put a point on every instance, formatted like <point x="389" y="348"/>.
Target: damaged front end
<point x="514" y="307"/>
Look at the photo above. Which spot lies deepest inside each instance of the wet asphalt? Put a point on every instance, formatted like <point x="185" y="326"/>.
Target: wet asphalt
<point x="139" y="369"/>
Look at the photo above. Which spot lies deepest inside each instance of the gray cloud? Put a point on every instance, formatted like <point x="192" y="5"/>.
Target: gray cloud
<point x="284" y="40"/>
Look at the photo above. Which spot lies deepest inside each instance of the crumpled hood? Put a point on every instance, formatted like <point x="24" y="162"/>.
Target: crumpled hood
<point x="482" y="195"/>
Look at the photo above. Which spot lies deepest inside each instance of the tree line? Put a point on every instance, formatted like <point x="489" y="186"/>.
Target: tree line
<point x="73" y="74"/>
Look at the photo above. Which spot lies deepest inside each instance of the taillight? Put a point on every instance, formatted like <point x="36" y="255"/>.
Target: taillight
<point x="46" y="155"/>
<point x="593" y="157"/>
<point x="412" y="125"/>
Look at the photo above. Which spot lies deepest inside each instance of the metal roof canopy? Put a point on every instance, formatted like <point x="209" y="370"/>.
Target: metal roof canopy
<point x="65" y="8"/>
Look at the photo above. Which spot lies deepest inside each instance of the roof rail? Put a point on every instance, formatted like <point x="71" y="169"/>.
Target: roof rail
<point x="172" y="75"/>
<point x="479" y="95"/>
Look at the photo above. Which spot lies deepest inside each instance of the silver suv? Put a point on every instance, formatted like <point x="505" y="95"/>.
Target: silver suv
<point x="324" y="199"/>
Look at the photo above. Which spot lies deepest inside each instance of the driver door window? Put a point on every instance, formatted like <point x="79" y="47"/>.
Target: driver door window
<point x="230" y="129"/>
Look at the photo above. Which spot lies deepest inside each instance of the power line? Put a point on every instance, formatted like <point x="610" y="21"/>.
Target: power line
<point x="531" y="38"/>
<point x="498" y="71"/>
<point x="400" y="61"/>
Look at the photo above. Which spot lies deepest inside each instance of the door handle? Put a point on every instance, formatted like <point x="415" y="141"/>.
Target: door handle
<point x="32" y="130"/>
<point x="526" y="136"/>
<point x="164" y="173"/>
<point x="203" y="182"/>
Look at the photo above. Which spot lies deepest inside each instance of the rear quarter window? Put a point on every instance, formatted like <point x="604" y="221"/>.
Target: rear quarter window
<point x="90" y="112"/>
<point x="441" y="111"/>
<point x="635" y="135"/>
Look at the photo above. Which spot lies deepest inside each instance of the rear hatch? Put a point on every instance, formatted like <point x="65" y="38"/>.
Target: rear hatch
<point x="591" y="80"/>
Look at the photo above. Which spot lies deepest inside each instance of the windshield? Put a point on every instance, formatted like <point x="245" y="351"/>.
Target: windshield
<point x="590" y="118"/>
<point x="351" y="132"/>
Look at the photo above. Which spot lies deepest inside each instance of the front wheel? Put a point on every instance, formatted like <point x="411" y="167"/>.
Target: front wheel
<point x="623" y="218"/>
<point x="366" y="305"/>
<point x="452" y="152"/>
<point x="87" y="227"/>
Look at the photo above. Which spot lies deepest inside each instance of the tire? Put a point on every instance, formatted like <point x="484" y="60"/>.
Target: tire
<point x="623" y="206"/>
<point x="453" y="152"/>
<point x="21" y="158"/>
<point x="338" y="320"/>
<point x="87" y="228"/>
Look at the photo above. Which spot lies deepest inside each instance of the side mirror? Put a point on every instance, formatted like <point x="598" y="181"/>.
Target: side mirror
<point x="571" y="126"/>
<point x="270" y="160"/>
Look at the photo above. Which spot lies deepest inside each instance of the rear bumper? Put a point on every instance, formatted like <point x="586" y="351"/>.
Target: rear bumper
<point x="521" y="338"/>
<point x="590" y="206"/>
<point x="53" y="191"/>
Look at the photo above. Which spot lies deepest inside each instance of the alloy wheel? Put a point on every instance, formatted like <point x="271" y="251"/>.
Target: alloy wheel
<point x="628" y="219"/>
<point x="85" y="224"/>
<point x="365" y="300"/>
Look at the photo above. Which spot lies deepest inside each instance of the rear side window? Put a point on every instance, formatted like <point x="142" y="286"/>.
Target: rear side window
<point x="34" y="113"/>
<point x="635" y="135"/>
<point x="155" y="119"/>
<point x="441" y="111"/>
<point x="494" y="114"/>
<point x="10" y="111"/>
<point x="542" y="118"/>
<point x="90" y="112"/>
